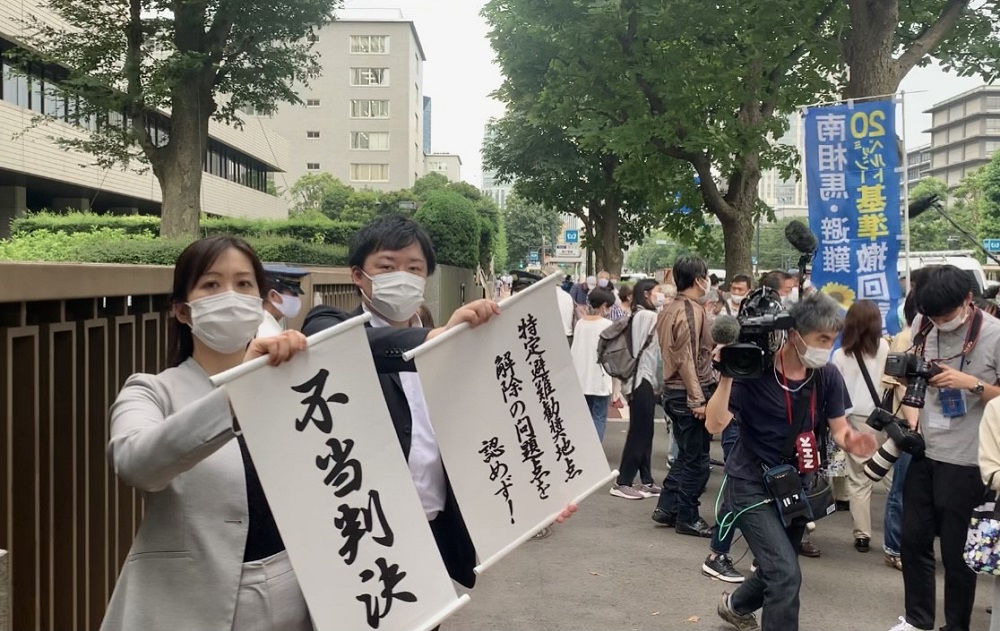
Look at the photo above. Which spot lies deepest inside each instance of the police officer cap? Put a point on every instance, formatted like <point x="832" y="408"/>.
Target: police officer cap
<point x="285" y="279"/>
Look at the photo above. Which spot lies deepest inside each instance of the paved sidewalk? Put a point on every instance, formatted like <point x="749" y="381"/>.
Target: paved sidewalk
<point x="611" y="568"/>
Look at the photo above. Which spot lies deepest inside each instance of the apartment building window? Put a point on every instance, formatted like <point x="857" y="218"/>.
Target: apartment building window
<point x="312" y="166"/>
<point x="15" y="85"/>
<point x="956" y="155"/>
<point x="437" y="166"/>
<point x="312" y="135"/>
<point x="369" y="172"/>
<point x="370" y="140"/>
<point x="368" y="108"/>
<point x="991" y="147"/>
<point x="993" y="103"/>
<point x="370" y="44"/>
<point x="956" y="133"/>
<point x="369" y="76"/>
<point x="993" y="125"/>
<point x="312" y="102"/>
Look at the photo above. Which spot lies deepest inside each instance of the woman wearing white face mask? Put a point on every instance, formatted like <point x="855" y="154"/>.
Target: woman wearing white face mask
<point x="284" y="298"/>
<point x="208" y="554"/>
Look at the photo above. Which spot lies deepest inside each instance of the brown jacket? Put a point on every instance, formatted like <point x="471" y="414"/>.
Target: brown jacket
<point x="686" y="348"/>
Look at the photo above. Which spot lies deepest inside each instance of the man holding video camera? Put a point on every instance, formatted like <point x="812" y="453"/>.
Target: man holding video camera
<point x="786" y="406"/>
<point x="950" y="375"/>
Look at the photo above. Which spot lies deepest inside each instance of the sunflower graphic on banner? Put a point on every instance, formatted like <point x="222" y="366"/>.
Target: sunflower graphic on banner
<point x="854" y="207"/>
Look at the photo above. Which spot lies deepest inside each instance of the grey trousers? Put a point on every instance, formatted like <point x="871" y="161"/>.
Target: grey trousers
<point x="269" y="598"/>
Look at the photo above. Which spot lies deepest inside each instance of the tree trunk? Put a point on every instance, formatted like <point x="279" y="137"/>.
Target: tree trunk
<point x="181" y="167"/>
<point x="869" y="49"/>
<point x="737" y="234"/>
<point x="608" y="250"/>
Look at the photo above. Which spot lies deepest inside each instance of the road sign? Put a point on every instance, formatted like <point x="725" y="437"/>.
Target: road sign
<point x="572" y="236"/>
<point x="753" y="260"/>
<point x="566" y="253"/>
<point x="993" y="245"/>
<point x="533" y="256"/>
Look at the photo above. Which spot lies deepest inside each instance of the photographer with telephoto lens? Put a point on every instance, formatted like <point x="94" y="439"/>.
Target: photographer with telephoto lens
<point x="784" y="413"/>
<point x="950" y="374"/>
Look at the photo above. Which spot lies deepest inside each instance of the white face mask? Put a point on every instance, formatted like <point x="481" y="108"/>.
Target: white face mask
<point x="397" y="295"/>
<point x="290" y="306"/>
<point x="704" y="288"/>
<point x="955" y="323"/>
<point x="791" y="298"/>
<point x="813" y="357"/>
<point x="591" y="281"/>
<point x="602" y="282"/>
<point x="226" y="322"/>
<point x="659" y="300"/>
<point x="736" y="299"/>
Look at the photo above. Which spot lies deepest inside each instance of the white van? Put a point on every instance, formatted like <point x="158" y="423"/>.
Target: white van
<point x="962" y="259"/>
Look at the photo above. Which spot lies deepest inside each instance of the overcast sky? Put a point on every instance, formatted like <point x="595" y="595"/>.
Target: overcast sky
<point x="459" y="76"/>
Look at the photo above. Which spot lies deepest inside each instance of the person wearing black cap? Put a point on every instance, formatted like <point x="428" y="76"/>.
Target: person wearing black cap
<point x="523" y="280"/>
<point x="283" y="301"/>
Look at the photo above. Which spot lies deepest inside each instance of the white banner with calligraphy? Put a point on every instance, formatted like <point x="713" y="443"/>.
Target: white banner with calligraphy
<point x="511" y="420"/>
<point x="324" y="446"/>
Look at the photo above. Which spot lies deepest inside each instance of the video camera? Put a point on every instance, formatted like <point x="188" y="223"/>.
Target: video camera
<point x="761" y="321"/>
<point x="917" y="371"/>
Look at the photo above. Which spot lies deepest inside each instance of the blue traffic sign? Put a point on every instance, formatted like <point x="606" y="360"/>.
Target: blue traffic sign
<point x="572" y="236"/>
<point x="533" y="256"/>
<point x="993" y="245"/>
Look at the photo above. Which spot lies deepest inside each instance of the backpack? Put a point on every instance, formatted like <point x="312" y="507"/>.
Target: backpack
<point x="614" y="349"/>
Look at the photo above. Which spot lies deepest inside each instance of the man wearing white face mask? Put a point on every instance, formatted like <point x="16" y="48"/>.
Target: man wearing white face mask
<point x="739" y="287"/>
<point x="390" y="260"/>
<point x="943" y="487"/>
<point x="284" y="299"/>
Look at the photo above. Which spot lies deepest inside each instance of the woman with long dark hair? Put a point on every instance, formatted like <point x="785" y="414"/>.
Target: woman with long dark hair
<point x="862" y="343"/>
<point x="639" y="390"/>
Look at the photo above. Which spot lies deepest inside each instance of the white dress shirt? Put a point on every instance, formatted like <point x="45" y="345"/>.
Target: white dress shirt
<point x="426" y="467"/>
<point x="565" y="310"/>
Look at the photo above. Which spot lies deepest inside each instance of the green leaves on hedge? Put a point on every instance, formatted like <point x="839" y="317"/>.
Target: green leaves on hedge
<point x="116" y="245"/>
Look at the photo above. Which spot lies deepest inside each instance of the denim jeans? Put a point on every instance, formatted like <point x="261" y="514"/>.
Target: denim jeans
<point x="729" y="437"/>
<point x="775" y="585"/>
<point x="598" y="412"/>
<point x="893" y="524"/>
<point x="689" y="474"/>
<point x="722" y="544"/>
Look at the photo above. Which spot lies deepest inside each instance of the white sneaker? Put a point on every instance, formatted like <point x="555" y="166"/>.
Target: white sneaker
<point x="626" y="492"/>
<point x="904" y="626"/>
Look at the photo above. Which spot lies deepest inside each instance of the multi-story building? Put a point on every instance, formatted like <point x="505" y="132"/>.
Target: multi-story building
<point x="363" y="119"/>
<point x="499" y="192"/>
<point x="427" y="124"/>
<point x="447" y="164"/>
<point x="965" y="132"/>
<point x="36" y="172"/>
<point x="918" y="165"/>
<point x="787" y="196"/>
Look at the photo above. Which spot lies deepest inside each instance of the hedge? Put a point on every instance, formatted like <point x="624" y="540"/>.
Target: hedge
<point x="114" y="245"/>
<point x="311" y="228"/>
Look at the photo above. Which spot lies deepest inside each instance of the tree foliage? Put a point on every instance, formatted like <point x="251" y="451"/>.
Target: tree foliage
<point x="528" y="224"/>
<point x="665" y="91"/>
<point x="453" y="225"/>
<point x="129" y="62"/>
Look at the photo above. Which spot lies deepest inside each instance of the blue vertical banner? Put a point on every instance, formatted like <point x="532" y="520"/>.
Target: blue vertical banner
<point x="853" y="187"/>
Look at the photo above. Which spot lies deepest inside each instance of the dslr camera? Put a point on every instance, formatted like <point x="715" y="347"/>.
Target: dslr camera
<point x="901" y="438"/>
<point x="917" y="371"/>
<point x="762" y="320"/>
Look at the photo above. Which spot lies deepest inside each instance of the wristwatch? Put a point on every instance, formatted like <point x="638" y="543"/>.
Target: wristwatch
<point x="979" y="388"/>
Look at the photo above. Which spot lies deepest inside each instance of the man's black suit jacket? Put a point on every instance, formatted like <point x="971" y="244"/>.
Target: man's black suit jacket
<point x="388" y="346"/>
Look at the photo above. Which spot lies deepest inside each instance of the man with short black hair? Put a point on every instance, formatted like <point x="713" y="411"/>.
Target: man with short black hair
<point x="686" y="346"/>
<point x="739" y="287"/>
<point x="943" y="487"/>
<point x="765" y="407"/>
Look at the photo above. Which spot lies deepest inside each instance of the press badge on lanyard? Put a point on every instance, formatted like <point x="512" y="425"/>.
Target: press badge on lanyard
<point x="953" y="403"/>
<point x="808" y="452"/>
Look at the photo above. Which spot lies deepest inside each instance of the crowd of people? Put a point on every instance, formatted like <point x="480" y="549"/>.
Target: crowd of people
<point x="174" y="436"/>
<point x="833" y="360"/>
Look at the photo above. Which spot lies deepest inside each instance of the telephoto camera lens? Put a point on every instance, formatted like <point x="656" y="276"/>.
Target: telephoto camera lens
<point x="916" y="392"/>
<point x="878" y="466"/>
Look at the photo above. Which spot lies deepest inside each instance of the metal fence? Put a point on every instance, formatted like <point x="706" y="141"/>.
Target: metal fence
<point x="69" y="337"/>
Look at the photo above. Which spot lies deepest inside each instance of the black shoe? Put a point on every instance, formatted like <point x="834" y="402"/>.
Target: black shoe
<point x="862" y="544"/>
<point x="721" y="567"/>
<point x="664" y="518"/>
<point x="697" y="528"/>
<point x="843" y="505"/>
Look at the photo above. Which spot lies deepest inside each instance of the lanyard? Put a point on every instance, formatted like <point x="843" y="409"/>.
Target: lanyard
<point x="788" y="395"/>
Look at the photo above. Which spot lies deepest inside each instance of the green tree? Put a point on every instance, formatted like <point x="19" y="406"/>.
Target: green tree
<point x="453" y="225"/>
<point x="428" y="184"/>
<point x="319" y="191"/>
<point x="133" y="60"/>
<point x="527" y="226"/>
